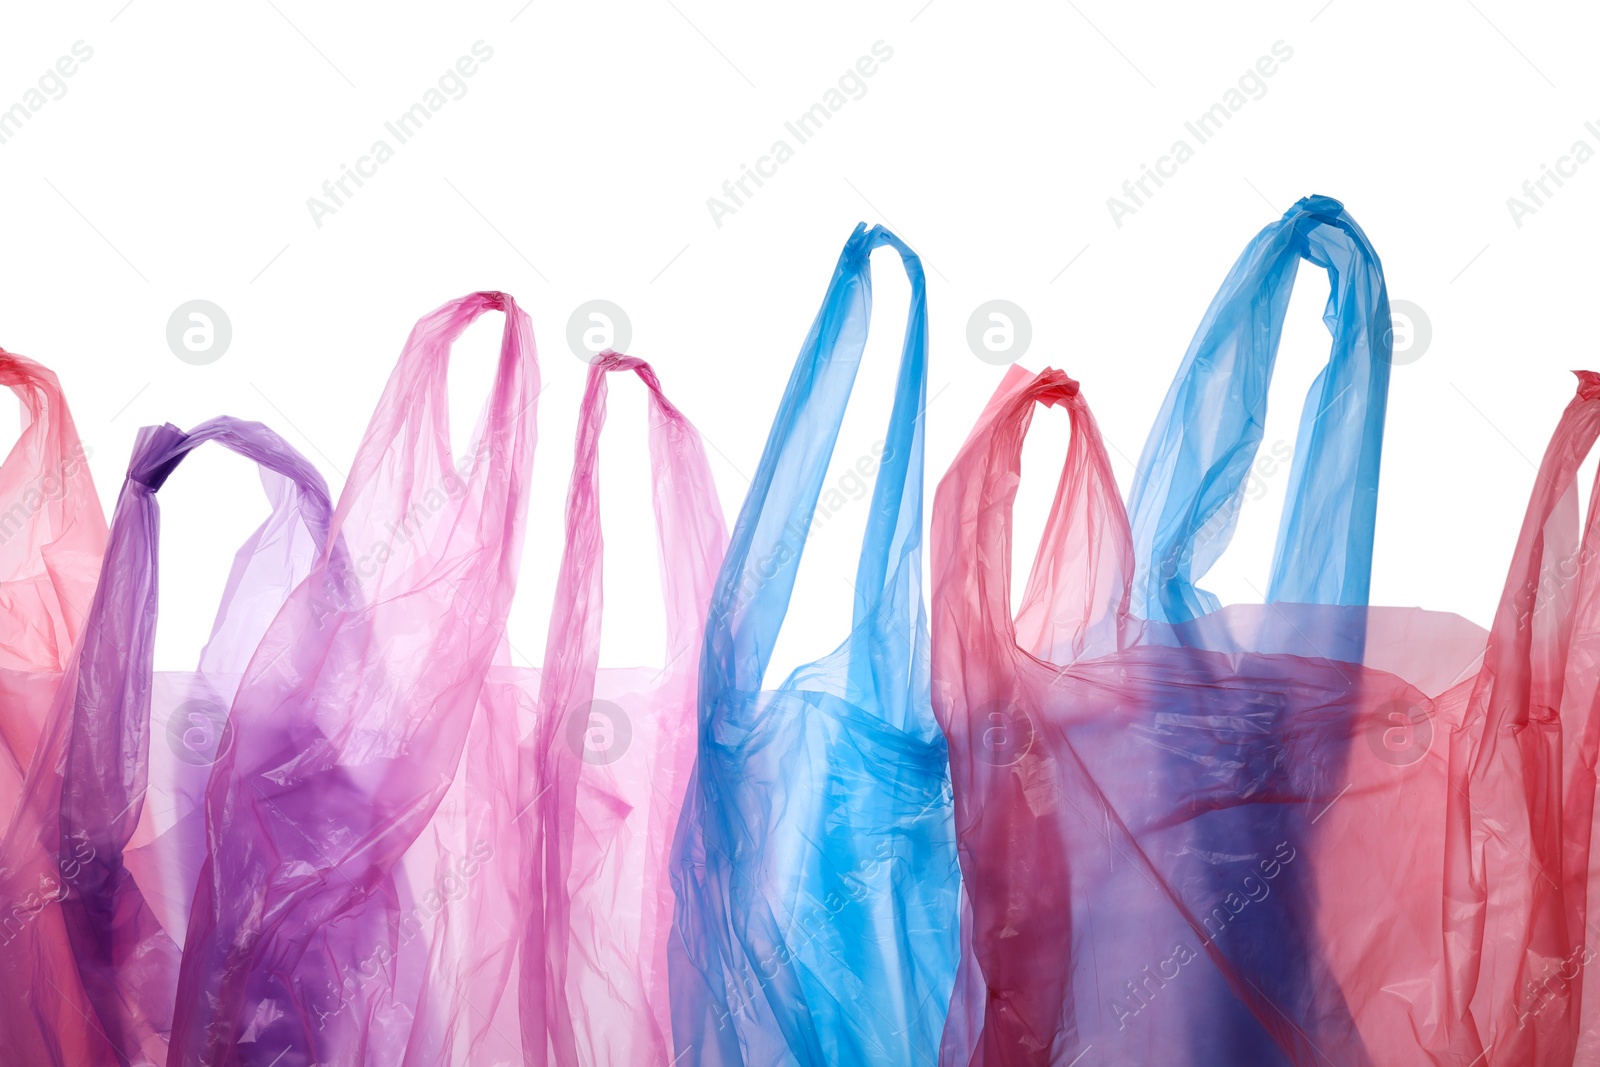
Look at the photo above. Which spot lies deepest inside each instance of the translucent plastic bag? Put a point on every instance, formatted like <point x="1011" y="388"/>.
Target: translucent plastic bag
<point x="1520" y="874"/>
<point x="1182" y="508"/>
<point x="815" y="862"/>
<point x="1083" y="755"/>
<point x="52" y="535"/>
<point x="604" y="762"/>
<point x="100" y="858"/>
<point x="1194" y="835"/>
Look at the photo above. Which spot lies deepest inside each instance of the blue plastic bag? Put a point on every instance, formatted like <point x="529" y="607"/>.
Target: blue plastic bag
<point x="815" y="863"/>
<point x="1237" y="774"/>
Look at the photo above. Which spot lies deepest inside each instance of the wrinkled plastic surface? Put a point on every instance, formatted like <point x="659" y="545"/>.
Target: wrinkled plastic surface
<point x="52" y="535"/>
<point x="1520" y="873"/>
<point x="91" y="964"/>
<point x="815" y="862"/>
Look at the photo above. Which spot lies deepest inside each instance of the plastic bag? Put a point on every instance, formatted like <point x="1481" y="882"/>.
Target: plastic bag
<point x="1520" y="871"/>
<point x="52" y="535"/>
<point x="92" y="971"/>
<point x="316" y="933"/>
<point x="1158" y="815"/>
<point x="604" y="766"/>
<point x="815" y="862"/>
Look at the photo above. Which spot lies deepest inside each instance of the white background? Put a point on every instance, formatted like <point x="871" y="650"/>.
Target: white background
<point x="577" y="165"/>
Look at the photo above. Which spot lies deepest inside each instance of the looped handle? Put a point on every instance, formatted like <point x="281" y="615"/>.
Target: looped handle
<point x="757" y="579"/>
<point x="1193" y="470"/>
<point x="689" y="527"/>
<point x="1076" y="599"/>
<point x="406" y="454"/>
<point x="52" y="532"/>
<point x="1533" y="626"/>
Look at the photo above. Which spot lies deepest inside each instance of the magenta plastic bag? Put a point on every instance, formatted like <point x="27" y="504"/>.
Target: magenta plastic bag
<point x="348" y="727"/>
<point x="92" y="970"/>
<point x="52" y="535"/>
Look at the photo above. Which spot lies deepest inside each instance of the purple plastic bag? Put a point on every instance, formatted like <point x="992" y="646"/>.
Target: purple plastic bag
<point x="90" y="974"/>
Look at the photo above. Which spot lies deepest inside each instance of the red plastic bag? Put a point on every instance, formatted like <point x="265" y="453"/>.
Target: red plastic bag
<point x="52" y="535"/>
<point x="1428" y="900"/>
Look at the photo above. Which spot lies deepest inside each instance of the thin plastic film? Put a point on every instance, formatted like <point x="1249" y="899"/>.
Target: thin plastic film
<point x="818" y="889"/>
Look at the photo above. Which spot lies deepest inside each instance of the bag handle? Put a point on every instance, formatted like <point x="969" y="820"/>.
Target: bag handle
<point x="406" y="454"/>
<point x="757" y="578"/>
<point x="1522" y="764"/>
<point x="1193" y="470"/>
<point x="1077" y="596"/>
<point x="106" y="698"/>
<point x="52" y="532"/>
<point x="690" y="536"/>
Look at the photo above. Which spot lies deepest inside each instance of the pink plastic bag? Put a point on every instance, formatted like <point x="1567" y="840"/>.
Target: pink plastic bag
<point x="569" y="791"/>
<point x="52" y="534"/>
<point x="313" y="938"/>
<point x="1436" y="801"/>
<point x="417" y="853"/>
<point x="604" y="769"/>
